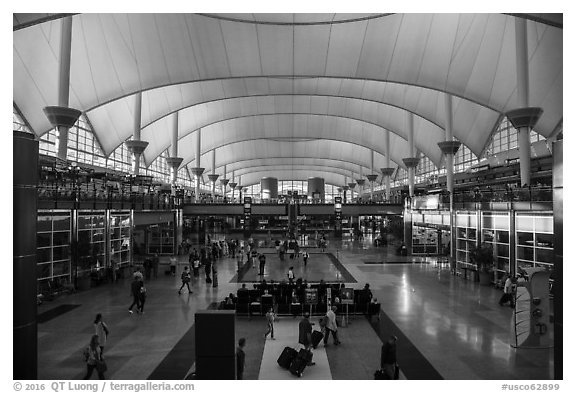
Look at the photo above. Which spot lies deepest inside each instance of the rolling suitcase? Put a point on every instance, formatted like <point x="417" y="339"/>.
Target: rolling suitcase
<point x="317" y="336"/>
<point x="300" y="362"/>
<point x="286" y="357"/>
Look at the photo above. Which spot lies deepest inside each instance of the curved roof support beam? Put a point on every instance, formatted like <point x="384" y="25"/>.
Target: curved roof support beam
<point x="427" y="149"/>
<point x="232" y="145"/>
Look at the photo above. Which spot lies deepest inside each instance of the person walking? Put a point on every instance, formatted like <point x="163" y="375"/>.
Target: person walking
<point x="185" y="280"/>
<point x="94" y="359"/>
<point x="305" y="333"/>
<point x="270" y="317"/>
<point x="388" y="357"/>
<point x="135" y="286"/>
<point x="262" y="259"/>
<point x="240" y="358"/>
<point x="101" y="330"/>
<point x="331" y="326"/>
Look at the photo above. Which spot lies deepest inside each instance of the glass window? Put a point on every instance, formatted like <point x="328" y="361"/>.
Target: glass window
<point x="526" y="253"/>
<point x="525" y="239"/>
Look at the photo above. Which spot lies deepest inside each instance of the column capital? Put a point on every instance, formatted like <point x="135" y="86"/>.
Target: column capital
<point x="411" y="162"/>
<point x="238" y="186"/>
<point x="372" y="177"/>
<point x="449" y="147"/>
<point x="197" y="171"/>
<point x="137" y="147"/>
<point x="524" y="117"/>
<point x="232" y="185"/>
<point x="213" y="177"/>
<point x="351" y="185"/>
<point x="174" y="162"/>
<point x="360" y="182"/>
<point x="345" y="188"/>
<point x="340" y="189"/>
<point x="224" y="181"/>
<point x="61" y="116"/>
<point x="387" y="171"/>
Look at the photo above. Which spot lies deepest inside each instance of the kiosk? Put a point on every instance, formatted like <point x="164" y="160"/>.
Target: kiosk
<point x="531" y="326"/>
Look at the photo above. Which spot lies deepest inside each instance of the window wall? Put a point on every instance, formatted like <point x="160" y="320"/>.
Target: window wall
<point x="53" y="236"/>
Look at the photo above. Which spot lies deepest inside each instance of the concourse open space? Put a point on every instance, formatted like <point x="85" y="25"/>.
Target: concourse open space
<point x="288" y="196"/>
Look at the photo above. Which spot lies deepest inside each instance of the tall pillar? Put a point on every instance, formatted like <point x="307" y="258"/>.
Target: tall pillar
<point x="412" y="161"/>
<point x="524" y="118"/>
<point x="269" y="188"/>
<point x="233" y="185"/>
<point x="198" y="170"/>
<point x="213" y="176"/>
<point x="61" y="116"/>
<point x="351" y="187"/>
<point x="316" y="186"/>
<point x="372" y="176"/>
<point x="239" y="188"/>
<point x="174" y="161"/>
<point x="449" y="147"/>
<point x="25" y="181"/>
<point x="360" y="181"/>
<point x="224" y="182"/>
<point x="386" y="173"/>
<point x="136" y="145"/>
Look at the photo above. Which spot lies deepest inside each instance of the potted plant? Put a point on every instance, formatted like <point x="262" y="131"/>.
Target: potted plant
<point x="483" y="257"/>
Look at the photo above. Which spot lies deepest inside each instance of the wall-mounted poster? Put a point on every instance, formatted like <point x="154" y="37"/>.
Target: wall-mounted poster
<point x="347" y="295"/>
<point x="311" y="296"/>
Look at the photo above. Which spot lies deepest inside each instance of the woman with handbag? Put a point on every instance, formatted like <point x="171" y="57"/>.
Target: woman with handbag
<point x="101" y="330"/>
<point x="94" y="359"/>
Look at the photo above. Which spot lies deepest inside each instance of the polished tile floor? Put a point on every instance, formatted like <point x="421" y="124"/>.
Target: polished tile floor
<point x="454" y="325"/>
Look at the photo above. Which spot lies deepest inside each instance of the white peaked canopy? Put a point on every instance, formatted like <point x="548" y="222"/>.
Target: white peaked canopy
<point x="289" y="95"/>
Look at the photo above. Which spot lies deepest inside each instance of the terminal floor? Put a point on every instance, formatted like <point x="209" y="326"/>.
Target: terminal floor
<point x="448" y="328"/>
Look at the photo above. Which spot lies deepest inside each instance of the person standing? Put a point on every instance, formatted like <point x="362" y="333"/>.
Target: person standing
<point x="388" y="357"/>
<point x="135" y="292"/>
<point x="331" y="326"/>
<point x="270" y="317"/>
<point x="155" y="263"/>
<point x="240" y="358"/>
<point x="185" y="280"/>
<point x="305" y="256"/>
<point x="101" y="330"/>
<point x="291" y="275"/>
<point x="148" y="268"/>
<point x="305" y="333"/>
<point x="173" y="261"/>
<point x="262" y="259"/>
<point x="208" y="269"/>
<point x="94" y="359"/>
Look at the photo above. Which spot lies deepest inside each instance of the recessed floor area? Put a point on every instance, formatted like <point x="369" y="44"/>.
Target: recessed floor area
<point x="449" y="328"/>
